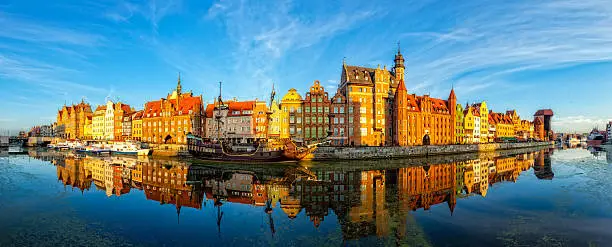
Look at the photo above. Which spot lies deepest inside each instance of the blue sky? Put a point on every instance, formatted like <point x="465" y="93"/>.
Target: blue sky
<point x="522" y="55"/>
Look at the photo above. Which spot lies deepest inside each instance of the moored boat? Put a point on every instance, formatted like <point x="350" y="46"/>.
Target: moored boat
<point x="257" y="152"/>
<point x="228" y="149"/>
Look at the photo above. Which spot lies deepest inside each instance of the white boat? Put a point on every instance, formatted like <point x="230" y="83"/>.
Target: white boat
<point x="129" y="148"/>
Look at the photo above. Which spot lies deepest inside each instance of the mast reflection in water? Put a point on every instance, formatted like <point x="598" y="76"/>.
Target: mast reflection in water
<point x="367" y="198"/>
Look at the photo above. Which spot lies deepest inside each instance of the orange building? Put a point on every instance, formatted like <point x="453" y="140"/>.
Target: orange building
<point x="389" y="117"/>
<point x="425" y="186"/>
<point x="169" y="120"/>
<point x="538" y="129"/>
<point x="167" y="184"/>
<point x="121" y="112"/>
<point x="418" y="118"/>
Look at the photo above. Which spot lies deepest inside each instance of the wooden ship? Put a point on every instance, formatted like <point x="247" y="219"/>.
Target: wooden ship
<point x="223" y="149"/>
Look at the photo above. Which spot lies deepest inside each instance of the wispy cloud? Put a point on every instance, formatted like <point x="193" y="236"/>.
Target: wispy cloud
<point x="499" y="40"/>
<point x="579" y="123"/>
<point x="151" y="10"/>
<point x="264" y="33"/>
<point x="22" y="29"/>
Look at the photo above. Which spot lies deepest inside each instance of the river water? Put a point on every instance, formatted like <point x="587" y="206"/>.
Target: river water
<point x="548" y="197"/>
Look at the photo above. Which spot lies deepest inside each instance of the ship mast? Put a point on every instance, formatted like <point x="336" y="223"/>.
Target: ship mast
<point x="218" y="115"/>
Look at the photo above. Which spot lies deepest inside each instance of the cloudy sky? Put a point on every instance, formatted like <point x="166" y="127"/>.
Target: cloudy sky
<point x="522" y="55"/>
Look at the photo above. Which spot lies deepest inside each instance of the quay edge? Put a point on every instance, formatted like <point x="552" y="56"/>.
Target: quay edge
<point x="364" y="153"/>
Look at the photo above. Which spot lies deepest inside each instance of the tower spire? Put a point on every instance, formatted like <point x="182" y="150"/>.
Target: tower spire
<point x="398" y="48"/>
<point x="178" y="86"/>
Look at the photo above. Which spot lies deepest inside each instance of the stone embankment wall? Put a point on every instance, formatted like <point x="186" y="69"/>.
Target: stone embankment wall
<point x="356" y="153"/>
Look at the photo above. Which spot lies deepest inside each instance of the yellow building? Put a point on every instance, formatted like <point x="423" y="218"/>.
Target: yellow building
<point x="471" y="125"/>
<point x="502" y="125"/>
<point x="291" y="106"/>
<point x="484" y="121"/>
<point x="73" y="119"/>
<point x="137" y="126"/>
<point x="88" y="130"/>
<point x="459" y="121"/>
<point x="98" y="123"/>
<point x="274" y="123"/>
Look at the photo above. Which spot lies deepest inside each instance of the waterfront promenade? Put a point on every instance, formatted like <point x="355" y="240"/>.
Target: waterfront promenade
<point x="357" y="153"/>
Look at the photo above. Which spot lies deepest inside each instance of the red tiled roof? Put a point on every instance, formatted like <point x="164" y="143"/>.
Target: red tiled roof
<point x="101" y="108"/>
<point x="209" y="110"/>
<point x="544" y="112"/>
<point x="137" y="115"/>
<point x="439" y="105"/>
<point x="412" y="103"/>
<point x="236" y="108"/>
<point x="125" y="108"/>
<point x="475" y="112"/>
<point x="401" y="86"/>
<point x="186" y="103"/>
<point x="538" y="121"/>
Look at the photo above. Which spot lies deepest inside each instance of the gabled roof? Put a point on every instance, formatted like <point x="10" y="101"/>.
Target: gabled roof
<point x="412" y="103"/>
<point x="186" y="103"/>
<point x="357" y="74"/>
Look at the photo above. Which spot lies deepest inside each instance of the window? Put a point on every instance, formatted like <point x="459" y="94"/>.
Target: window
<point x="307" y="120"/>
<point x="351" y="119"/>
<point x="363" y="120"/>
<point x="307" y="132"/>
<point x="364" y="131"/>
<point x="350" y="110"/>
<point x="319" y="109"/>
<point x="299" y="120"/>
<point x="326" y="109"/>
<point x="341" y="109"/>
<point x="320" y="119"/>
<point x="362" y="110"/>
<point x="307" y="109"/>
<point x="341" y="120"/>
<point x="335" y="120"/>
<point x="313" y="99"/>
<point x="335" y="109"/>
<point x="292" y="119"/>
<point x="313" y="120"/>
<point x="299" y="110"/>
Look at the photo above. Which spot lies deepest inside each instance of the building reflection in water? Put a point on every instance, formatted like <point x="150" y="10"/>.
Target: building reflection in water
<point x="366" y="201"/>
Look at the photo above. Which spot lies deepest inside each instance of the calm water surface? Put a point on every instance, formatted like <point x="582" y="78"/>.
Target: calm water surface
<point x="541" y="198"/>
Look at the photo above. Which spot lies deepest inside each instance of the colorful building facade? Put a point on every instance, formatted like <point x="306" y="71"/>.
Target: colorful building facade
<point x="316" y="107"/>
<point x="74" y="118"/>
<point x="169" y="120"/>
<point x="291" y="108"/>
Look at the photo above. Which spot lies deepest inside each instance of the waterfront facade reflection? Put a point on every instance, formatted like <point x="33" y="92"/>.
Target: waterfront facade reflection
<point x="367" y="199"/>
